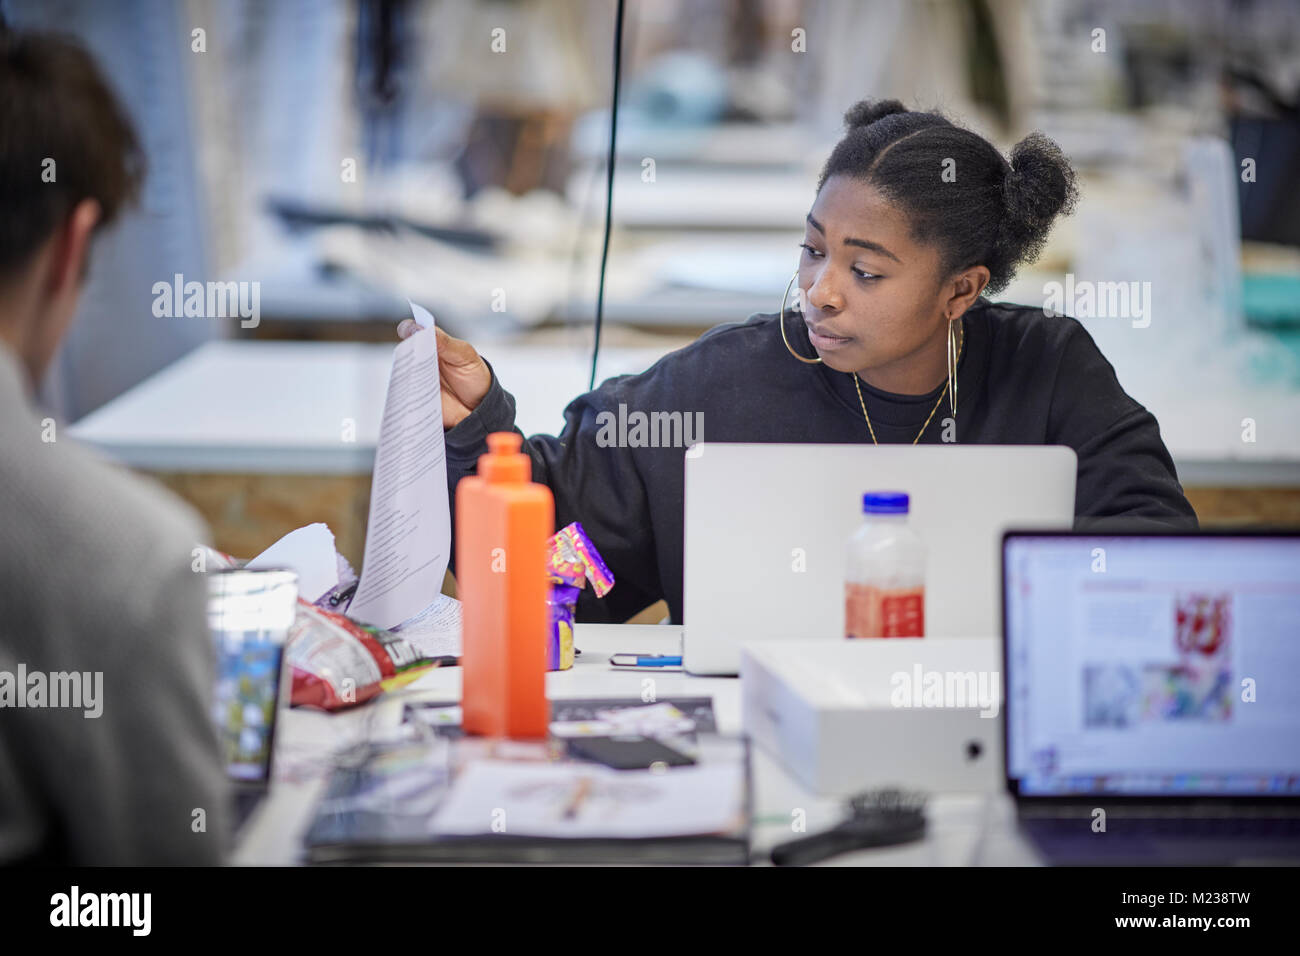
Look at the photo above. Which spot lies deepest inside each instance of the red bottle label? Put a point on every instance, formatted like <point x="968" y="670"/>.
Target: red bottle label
<point x="870" y="611"/>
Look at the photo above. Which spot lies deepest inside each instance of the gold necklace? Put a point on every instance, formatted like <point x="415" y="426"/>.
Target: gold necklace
<point x="960" y="349"/>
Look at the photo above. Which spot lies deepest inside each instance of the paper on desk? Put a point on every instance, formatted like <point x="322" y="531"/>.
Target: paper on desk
<point x="588" y="800"/>
<point x="408" y="534"/>
<point x="435" y="631"/>
<point x="310" y="552"/>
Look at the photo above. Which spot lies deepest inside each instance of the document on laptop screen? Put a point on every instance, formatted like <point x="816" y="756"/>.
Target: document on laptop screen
<point x="408" y="533"/>
<point x="1153" y="666"/>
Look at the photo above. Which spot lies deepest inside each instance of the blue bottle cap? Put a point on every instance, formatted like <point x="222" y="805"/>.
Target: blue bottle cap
<point x="885" y="503"/>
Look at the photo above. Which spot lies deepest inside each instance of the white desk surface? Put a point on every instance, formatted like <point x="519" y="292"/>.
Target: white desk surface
<point x="283" y="407"/>
<point x="965" y="829"/>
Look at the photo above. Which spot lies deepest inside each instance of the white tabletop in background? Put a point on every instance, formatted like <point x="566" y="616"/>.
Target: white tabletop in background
<point x="284" y="407"/>
<point x="309" y="407"/>
<point x="965" y="829"/>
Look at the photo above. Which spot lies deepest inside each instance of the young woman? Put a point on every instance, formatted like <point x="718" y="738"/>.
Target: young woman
<point x="915" y="220"/>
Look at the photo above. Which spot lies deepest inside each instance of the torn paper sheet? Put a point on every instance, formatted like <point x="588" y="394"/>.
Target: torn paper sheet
<point x="408" y="533"/>
<point x="310" y="552"/>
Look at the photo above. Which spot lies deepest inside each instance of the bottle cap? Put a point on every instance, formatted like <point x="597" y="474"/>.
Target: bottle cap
<point x="885" y="503"/>
<point x="505" y="463"/>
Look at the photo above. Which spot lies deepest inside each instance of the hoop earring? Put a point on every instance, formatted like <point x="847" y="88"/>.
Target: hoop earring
<point x="952" y="373"/>
<point x="806" y="361"/>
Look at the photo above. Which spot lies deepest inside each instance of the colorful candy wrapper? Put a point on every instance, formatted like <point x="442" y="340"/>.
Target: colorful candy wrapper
<point x="573" y="561"/>
<point x="559" y="650"/>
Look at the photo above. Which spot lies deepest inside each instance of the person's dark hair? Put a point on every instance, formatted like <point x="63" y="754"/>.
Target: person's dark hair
<point x="55" y="105"/>
<point x="988" y="211"/>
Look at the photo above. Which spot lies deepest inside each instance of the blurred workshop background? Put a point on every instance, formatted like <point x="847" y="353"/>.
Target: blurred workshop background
<point x="348" y="155"/>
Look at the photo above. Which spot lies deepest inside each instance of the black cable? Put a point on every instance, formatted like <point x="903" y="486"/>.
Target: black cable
<point x="609" y="188"/>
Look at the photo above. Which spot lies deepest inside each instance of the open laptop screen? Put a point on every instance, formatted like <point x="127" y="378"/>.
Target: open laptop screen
<point x="1152" y="665"/>
<point x="249" y="614"/>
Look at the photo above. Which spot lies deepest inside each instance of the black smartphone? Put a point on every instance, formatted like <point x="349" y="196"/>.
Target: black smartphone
<point x="627" y="752"/>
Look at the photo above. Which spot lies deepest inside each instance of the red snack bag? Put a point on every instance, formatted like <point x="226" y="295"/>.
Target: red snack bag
<point x="339" y="663"/>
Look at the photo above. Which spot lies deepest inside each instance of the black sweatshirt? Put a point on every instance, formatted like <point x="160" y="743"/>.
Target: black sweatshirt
<point x="1024" y="379"/>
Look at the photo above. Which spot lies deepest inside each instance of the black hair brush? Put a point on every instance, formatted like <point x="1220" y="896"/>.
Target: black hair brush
<point x="885" y="817"/>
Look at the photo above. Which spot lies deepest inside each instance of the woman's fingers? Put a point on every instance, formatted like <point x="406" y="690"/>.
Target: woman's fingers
<point x="456" y="352"/>
<point x="464" y="374"/>
<point x="451" y="350"/>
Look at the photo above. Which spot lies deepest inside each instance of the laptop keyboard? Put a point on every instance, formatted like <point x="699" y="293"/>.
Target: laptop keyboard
<point x="1214" y="826"/>
<point x="1211" y="826"/>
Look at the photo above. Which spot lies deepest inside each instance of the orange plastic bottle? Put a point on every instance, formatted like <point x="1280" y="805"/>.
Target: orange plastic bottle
<point x="503" y="523"/>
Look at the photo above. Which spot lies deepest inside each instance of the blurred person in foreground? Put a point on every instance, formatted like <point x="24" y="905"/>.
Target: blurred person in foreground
<point x="108" y="750"/>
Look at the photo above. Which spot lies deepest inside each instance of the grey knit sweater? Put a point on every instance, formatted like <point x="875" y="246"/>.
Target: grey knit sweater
<point x="96" y="579"/>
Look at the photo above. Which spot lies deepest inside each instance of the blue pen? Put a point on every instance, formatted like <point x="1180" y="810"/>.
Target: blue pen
<point x="645" y="660"/>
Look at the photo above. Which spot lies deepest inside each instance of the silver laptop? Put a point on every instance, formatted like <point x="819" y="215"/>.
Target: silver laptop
<point x="767" y="526"/>
<point x="1151" y="713"/>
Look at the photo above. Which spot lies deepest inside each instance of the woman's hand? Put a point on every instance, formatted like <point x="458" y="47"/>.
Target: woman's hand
<point x="464" y="375"/>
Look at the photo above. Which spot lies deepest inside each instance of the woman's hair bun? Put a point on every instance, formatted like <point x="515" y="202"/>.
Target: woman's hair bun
<point x="866" y="112"/>
<point x="1039" y="185"/>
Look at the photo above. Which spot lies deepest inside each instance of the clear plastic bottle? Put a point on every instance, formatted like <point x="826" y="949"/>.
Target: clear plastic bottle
<point x="884" y="587"/>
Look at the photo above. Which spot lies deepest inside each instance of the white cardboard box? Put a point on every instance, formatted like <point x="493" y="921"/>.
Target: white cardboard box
<point x="842" y="716"/>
